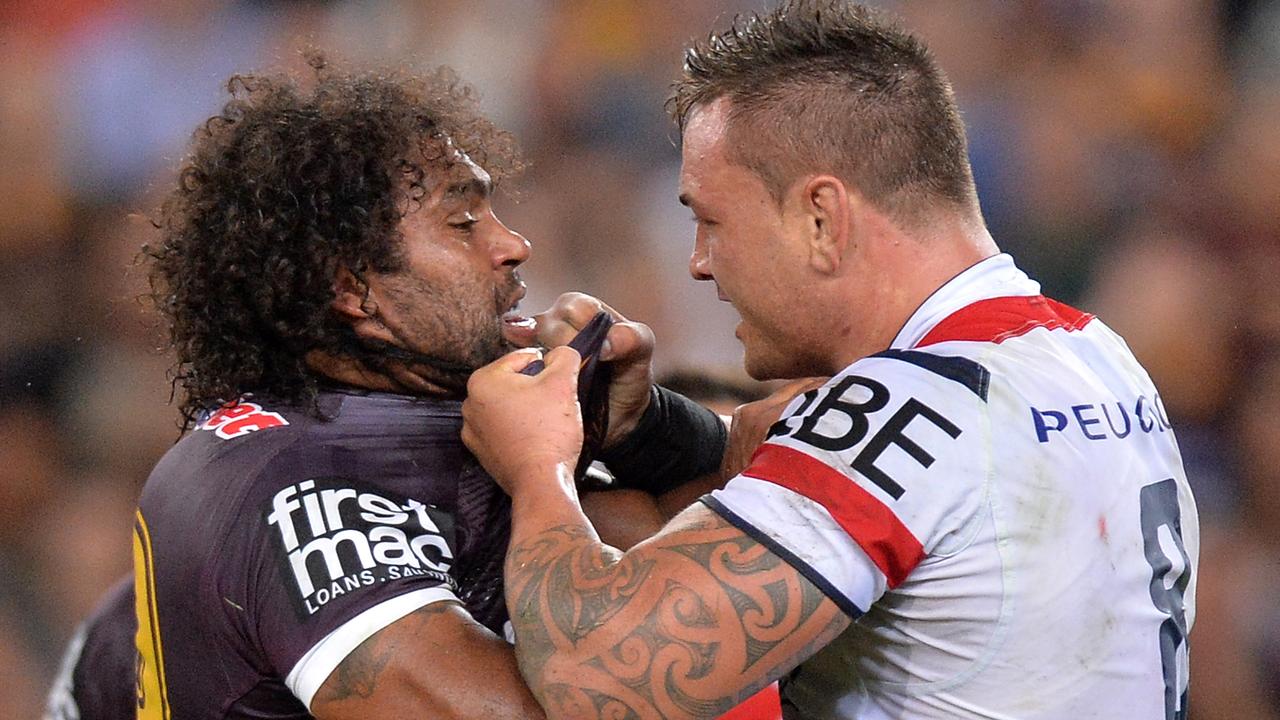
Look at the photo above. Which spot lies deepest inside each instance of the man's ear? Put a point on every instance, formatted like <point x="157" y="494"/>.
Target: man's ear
<point x="350" y="296"/>
<point x="826" y="201"/>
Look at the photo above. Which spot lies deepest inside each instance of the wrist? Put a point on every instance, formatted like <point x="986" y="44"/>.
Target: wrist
<point x="636" y="415"/>
<point x="548" y="502"/>
<point x="543" y="485"/>
<point x="625" y="437"/>
<point x="675" y="441"/>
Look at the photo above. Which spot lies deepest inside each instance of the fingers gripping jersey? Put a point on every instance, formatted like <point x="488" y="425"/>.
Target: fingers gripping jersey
<point x="1000" y="502"/>
<point x="270" y="544"/>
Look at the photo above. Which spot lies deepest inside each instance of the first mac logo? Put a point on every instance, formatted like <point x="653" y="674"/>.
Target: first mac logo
<point x="338" y="538"/>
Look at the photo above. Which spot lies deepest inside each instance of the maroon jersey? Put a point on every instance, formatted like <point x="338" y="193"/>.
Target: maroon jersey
<point x="269" y="544"/>
<point x="96" y="680"/>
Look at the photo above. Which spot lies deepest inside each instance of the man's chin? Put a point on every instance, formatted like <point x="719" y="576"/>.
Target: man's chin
<point x="494" y="349"/>
<point x="759" y="368"/>
<point x="763" y="365"/>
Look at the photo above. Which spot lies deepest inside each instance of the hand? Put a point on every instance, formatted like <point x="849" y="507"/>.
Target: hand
<point x="525" y="429"/>
<point x="752" y="421"/>
<point x="629" y="346"/>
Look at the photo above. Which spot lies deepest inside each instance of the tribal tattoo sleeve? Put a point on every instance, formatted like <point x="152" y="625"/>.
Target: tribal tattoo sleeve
<point x="684" y="625"/>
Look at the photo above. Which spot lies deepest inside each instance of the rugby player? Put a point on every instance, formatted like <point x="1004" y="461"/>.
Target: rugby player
<point x="982" y="514"/>
<point x="320" y="543"/>
<point x="95" y="681"/>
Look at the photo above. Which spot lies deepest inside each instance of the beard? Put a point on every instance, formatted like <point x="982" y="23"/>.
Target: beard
<point x="443" y="334"/>
<point x="438" y="332"/>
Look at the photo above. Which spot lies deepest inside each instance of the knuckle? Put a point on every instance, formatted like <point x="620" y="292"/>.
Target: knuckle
<point x="644" y="332"/>
<point x="582" y="304"/>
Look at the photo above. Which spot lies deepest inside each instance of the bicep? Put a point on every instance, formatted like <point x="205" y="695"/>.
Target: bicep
<point x="622" y="518"/>
<point x="434" y="662"/>
<point x="686" y="624"/>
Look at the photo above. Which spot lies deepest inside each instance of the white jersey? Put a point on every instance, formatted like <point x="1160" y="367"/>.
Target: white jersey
<point x="999" y="501"/>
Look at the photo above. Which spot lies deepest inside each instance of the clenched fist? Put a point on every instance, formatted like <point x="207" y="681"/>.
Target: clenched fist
<point x="525" y="429"/>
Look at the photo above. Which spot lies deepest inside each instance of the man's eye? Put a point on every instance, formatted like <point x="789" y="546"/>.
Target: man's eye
<point x="465" y="225"/>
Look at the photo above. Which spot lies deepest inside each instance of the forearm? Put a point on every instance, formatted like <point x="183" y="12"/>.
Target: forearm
<point x="673" y="502"/>
<point x="685" y="624"/>
<point x="623" y="518"/>
<point x="553" y="546"/>
<point x="656" y="631"/>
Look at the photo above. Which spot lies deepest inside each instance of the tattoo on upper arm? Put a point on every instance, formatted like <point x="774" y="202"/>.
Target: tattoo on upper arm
<point x="671" y="654"/>
<point x="358" y="674"/>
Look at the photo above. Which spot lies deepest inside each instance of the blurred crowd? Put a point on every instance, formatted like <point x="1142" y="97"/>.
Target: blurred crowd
<point x="1127" y="152"/>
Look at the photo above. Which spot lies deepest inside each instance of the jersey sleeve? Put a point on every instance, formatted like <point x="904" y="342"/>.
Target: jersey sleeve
<point x="318" y="566"/>
<point x="864" y="478"/>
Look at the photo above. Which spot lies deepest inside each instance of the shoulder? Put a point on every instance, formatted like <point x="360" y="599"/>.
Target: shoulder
<point x="258" y="446"/>
<point x="870" y="473"/>
<point x="898" y="439"/>
<point x="93" y="681"/>
<point x="904" y="407"/>
<point x="272" y="490"/>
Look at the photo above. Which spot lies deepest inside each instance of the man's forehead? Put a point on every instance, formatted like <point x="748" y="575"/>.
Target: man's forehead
<point x="702" y="148"/>
<point x="706" y="124"/>
<point x="462" y="177"/>
<point x="472" y="173"/>
<point x="448" y="170"/>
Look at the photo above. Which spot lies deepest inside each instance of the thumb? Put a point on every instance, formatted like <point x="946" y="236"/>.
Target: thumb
<point x="629" y="342"/>
<point x="509" y="364"/>
<point x="516" y="360"/>
<point x="563" y="361"/>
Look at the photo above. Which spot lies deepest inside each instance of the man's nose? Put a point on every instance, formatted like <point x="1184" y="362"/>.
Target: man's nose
<point x="512" y="248"/>
<point x="699" y="264"/>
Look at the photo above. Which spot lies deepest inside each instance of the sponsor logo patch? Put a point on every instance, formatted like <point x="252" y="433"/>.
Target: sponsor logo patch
<point x="242" y="418"/>
<point x="337" y="537"/>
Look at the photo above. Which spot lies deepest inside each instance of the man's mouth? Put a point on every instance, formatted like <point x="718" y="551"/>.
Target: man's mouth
<point x="519" y="329"/>
<point x="516" y="320"/>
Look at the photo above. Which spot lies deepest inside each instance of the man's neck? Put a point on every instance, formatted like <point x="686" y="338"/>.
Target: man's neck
<point x="394" y="378"/>
<point x="910" y="270"/>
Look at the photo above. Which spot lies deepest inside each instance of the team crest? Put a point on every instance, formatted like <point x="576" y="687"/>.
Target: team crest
<point x="241" y="418"/>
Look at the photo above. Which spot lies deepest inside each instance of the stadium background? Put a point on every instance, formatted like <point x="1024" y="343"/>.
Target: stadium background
<point x="1126" y="151"/>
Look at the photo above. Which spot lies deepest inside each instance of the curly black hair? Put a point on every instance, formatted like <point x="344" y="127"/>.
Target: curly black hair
<point x="283" y="187"/>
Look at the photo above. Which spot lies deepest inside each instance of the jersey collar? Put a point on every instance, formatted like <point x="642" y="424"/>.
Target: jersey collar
<point x="997" y="276"/>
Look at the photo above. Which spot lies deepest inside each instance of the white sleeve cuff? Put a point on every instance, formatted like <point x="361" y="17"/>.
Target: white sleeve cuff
<point x="313" y="668"/>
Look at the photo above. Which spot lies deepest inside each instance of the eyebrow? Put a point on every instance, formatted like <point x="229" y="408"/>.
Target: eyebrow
<point x="472" y="186"/>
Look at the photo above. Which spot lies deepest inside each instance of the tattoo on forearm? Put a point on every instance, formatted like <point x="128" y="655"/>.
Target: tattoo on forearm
<point x="668" y="654"/>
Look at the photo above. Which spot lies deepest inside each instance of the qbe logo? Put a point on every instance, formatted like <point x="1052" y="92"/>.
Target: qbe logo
<point x="338" y="538"/>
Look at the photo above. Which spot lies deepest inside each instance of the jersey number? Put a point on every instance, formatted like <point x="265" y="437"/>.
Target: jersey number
<point x="1170" y="574"/>
<point x="153" y="701"/>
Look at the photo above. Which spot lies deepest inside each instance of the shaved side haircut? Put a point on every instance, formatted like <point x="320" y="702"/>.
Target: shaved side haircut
<point x="828" y="86"/>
